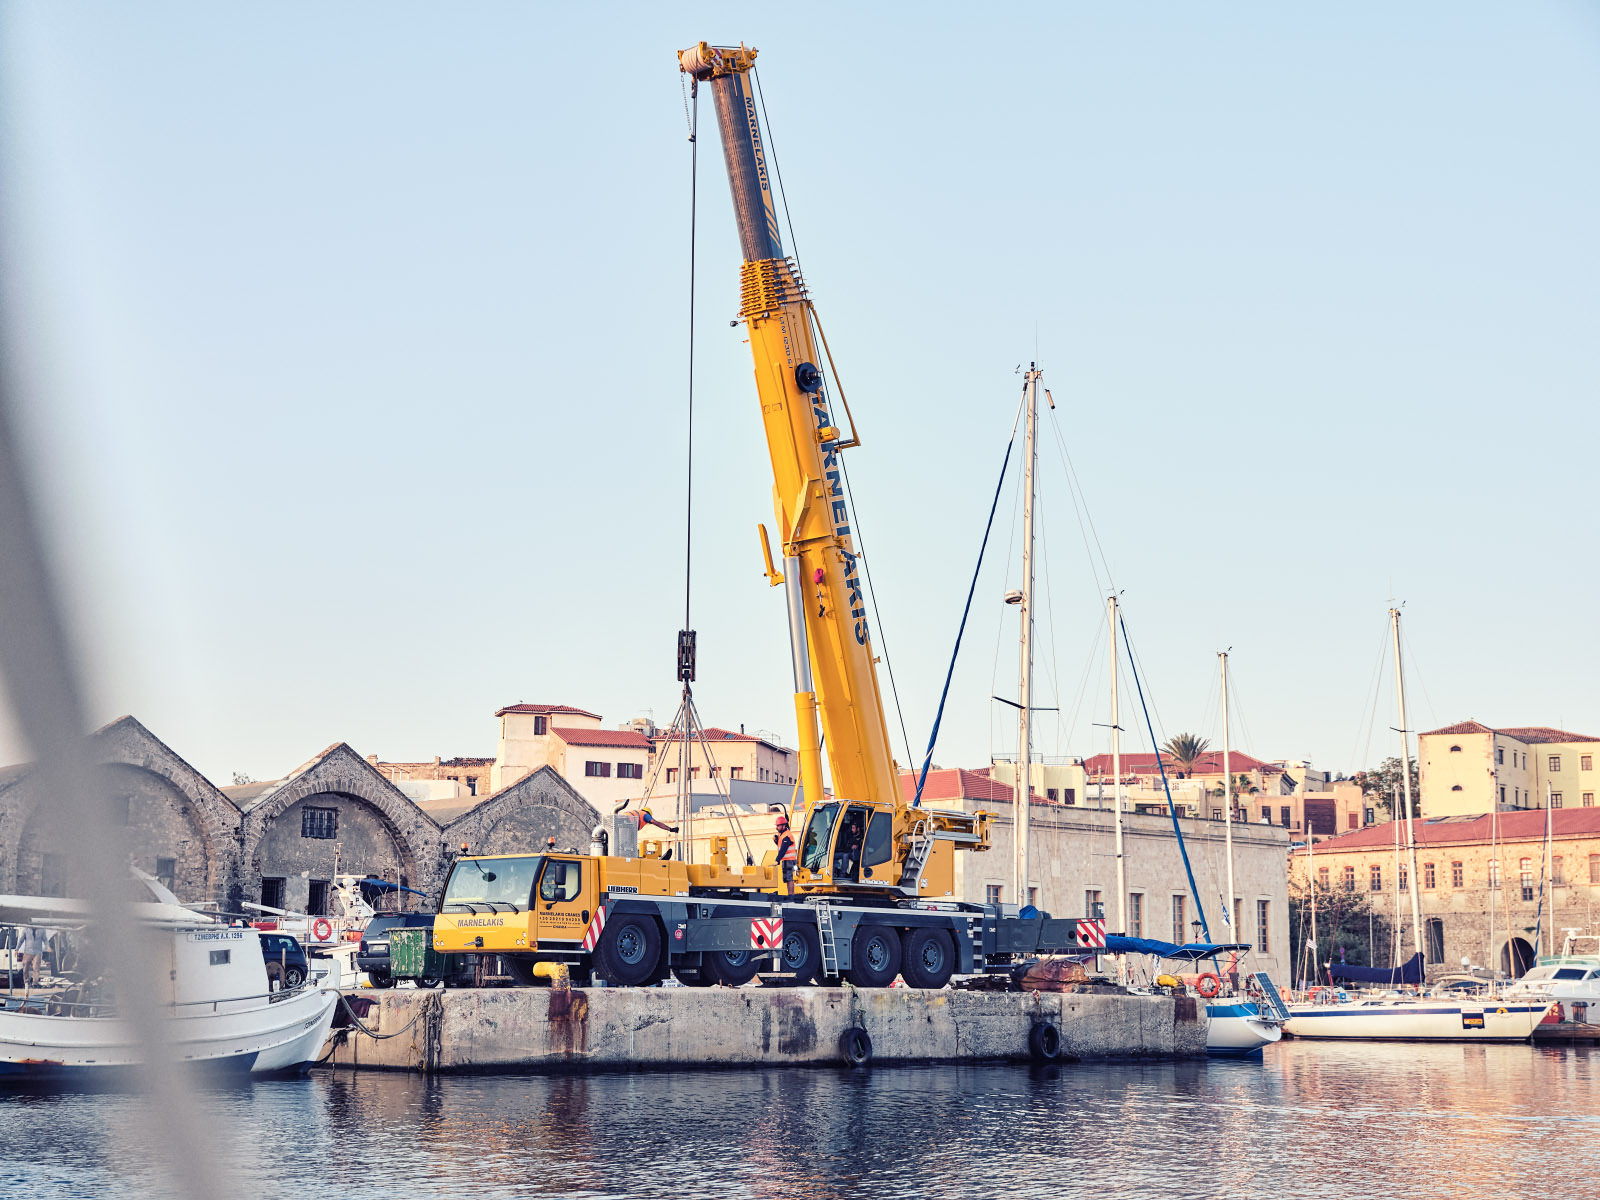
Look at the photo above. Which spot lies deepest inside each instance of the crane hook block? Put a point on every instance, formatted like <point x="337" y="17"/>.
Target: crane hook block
<point x="808" y="378"/>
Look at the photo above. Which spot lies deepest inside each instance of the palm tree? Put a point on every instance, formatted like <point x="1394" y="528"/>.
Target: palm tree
<point x="1185" y="750"/>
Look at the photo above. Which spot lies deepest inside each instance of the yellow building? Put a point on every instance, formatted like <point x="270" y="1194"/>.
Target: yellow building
<point x="1469" y="768"/>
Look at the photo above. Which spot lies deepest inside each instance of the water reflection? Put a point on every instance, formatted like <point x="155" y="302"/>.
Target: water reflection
<point x="1314" y="1120"/>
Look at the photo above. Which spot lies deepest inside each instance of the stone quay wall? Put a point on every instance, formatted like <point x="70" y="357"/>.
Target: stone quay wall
<point x="598" y="1029"/>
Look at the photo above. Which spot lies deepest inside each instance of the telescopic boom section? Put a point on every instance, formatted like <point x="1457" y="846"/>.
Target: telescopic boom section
<point x="834" y="672"/>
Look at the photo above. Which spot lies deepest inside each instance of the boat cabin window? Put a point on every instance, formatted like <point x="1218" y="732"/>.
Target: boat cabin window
<point x="490" y="883"/>
<point x="1569" y="973"/>
<point x="560" y="880"/>
<point x="219" y="958"/>
<point x="819" y="836"/>
<point x="880" y="840"/>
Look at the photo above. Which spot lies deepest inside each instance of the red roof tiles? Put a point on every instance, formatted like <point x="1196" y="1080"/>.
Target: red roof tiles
<point x="1531" y="734"/>
<point x="1526" y="825"/>
<point x="630" y="739"/>
<point x="545" y="709"/>
<point x="958" y="783"/>
<point x="1209" y="763"/>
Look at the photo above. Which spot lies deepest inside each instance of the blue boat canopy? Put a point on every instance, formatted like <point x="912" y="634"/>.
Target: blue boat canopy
<point x="383" y="885"/>
<point x="1409" y="971"/>
<point x="1193" y="951"/>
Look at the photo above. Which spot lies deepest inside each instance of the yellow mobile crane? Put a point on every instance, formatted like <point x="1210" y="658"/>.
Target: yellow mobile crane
<point x="876" y="877"/>
<point x="869" y="839"/>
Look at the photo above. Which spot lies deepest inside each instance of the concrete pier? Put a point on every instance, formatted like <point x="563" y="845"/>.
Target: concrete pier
<point x="599" y="1029"/>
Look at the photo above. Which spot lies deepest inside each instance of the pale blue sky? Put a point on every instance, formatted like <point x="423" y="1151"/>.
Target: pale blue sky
<point x="359" y="333"/>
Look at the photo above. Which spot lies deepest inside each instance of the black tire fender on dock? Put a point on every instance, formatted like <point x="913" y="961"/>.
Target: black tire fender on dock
<point x="855" y="1047"/>
<point x="1044" y="1042"/>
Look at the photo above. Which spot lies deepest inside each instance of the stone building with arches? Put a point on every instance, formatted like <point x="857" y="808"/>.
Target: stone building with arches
<point x="175" y="823"/>
<point x="278" y="843"/>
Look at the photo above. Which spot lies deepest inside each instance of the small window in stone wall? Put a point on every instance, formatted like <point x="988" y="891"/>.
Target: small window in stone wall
<point x="319" y="822"/>
<point x="167" y="872"/>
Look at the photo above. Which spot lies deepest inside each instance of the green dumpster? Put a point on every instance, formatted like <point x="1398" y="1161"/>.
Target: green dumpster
<point x="412" y="956"/>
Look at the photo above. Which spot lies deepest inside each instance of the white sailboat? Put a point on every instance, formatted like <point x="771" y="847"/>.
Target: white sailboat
<point x="1396" y="1016"/>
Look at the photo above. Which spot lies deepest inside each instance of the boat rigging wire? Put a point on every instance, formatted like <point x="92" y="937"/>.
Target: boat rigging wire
<point x="694" y="188"/>
<point x="1172" y="809"/>
<point x="933" y="735"/>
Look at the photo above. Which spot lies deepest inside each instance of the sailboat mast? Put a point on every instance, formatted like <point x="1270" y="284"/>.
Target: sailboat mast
<point x="1311" y="878"/>
<point x="1405" y="779"/>
<point x="1023" y="790"/>
<point x="1549" y="835"/>
<point x="1116" y="775"/>
<point x="1227" y="796"/>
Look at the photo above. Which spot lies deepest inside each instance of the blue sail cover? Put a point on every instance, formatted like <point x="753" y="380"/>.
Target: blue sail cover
<point x="1116" y="944"/>
<point x="1409" y="971"/>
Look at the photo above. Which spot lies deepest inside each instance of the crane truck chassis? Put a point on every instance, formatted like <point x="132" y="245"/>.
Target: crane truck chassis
<point x="632" y="921"/>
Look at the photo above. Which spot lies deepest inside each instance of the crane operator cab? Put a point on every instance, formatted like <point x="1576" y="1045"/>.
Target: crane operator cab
<point x="855" y="842"/>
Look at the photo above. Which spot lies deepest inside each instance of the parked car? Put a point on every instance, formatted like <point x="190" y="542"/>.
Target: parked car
<point x="372" y="956"/>
<point x="286" y="959"/>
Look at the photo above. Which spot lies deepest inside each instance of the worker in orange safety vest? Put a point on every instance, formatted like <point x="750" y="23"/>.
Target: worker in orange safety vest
<point x="788" y="852"/>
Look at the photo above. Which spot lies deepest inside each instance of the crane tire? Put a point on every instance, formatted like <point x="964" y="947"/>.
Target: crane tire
<point x="1044" y="1042"/>
<point x="731" y="968"/>
<point x="928" y="958"/>
<point x="874" y="957"/>
<point x="629" y="952"/>
<point x="855" y="1047"/>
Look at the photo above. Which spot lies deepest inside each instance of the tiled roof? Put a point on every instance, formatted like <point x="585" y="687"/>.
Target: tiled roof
<point x="1526" y="825"/>
<point x="1531" y="734"/>
<point x="1543" y="733"/>
<point x="545" y="709"/>
<point x="718" y="734"/>
<point x="1459" y="727"/>
<point x="1209" y="763"/>
<point x="958" y="783"/>
<point x="630" y="739"/>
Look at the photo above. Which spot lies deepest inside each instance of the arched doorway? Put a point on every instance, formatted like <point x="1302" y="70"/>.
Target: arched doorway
<point x="1516" y="956"/>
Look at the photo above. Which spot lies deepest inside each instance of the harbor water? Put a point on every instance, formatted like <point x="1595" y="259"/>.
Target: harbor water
<point x="1310" y="1120"/>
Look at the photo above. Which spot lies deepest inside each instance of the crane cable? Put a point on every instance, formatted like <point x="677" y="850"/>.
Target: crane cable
<point x="692" y="112"/>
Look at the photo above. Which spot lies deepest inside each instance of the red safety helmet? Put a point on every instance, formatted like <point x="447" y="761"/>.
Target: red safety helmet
<point x="783" y="821"/>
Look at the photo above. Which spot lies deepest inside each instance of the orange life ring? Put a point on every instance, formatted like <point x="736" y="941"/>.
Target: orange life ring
<point x="322" y="930"/>
<point x="1208" y="985"/>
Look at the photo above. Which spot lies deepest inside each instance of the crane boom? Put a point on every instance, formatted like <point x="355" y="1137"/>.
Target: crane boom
<point x="834" y="665"/>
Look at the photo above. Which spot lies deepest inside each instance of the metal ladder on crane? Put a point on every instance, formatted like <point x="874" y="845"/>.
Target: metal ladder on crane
<point x="916" y="858"/>
<point x="830" y="948"/>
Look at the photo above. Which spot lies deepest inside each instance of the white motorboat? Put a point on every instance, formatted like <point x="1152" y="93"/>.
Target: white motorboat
<point x="1237" y="1028"/>
<point x="1569" y="978"/>
<point x="219" y="1007"/>
<point x="1438" y="1018"/>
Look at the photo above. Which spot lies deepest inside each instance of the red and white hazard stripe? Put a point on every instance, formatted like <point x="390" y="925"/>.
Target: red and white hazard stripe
<point x="766" y="933"/>
<point x="1092" y="932"/>
<point x="592" y="938"/>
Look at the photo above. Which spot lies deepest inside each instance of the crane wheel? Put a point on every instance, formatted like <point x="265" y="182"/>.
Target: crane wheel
<point x="629" y="952"/>
<point x="731" y="968"/>
<point x="874" y="957"/>
<point x="1044" y="1042"/>
<point x="802" y="953"/>
<point x="855" y="1047"/>
<point x="929" y="958"/>
<point x="693" y="976"/>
